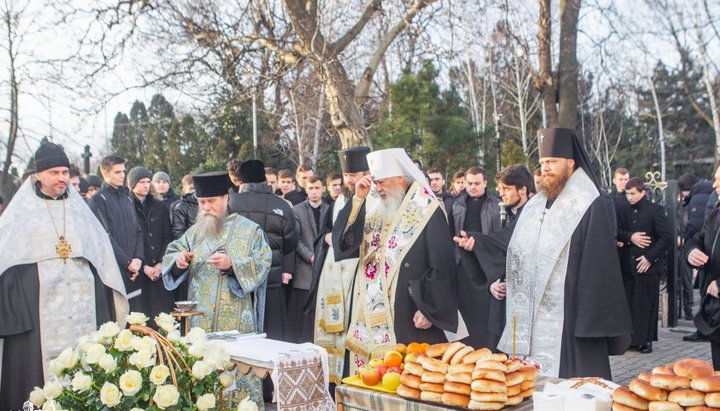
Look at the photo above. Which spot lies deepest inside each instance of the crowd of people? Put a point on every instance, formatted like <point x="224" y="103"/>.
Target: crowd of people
<point x="550" y="265"/>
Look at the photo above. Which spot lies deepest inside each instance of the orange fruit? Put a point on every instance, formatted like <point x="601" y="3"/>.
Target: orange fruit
<point x="400" y="348"/>
<point x="414" y="347"/>
<point x="393" y="359"/>
<point x="424" y="346"/>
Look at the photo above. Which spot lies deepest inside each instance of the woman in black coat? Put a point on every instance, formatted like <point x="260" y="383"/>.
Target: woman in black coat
<point x="154" y="218"/>
<point x="644" y="230"/>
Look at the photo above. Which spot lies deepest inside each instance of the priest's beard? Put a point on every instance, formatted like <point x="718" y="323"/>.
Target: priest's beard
<point x="388" y="206"/>
<point x="347" y="192"/>
<point x="553" y="183"/>
<point x="209" y="224"/>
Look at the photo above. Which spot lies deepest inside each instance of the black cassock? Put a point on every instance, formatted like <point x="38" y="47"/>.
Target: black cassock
<point x="20" y="328"/>
<point x="597" y="318"/>
<point x="643" y="289"/>
<point x="426" y="280"/>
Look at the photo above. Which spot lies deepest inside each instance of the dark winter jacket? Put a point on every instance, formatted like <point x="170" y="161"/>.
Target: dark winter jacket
<point x="116" y="212"/>
<point x="695" y="204"/>
<point x="256" y="202"/>
<point x="296" y="196"/>
<point x="308" y="233"/>
<point x="154" y="220"/>
<point x="169" y="198"/>
<point x="490" y="214"/>
<point x="650" y="219"/>
<point x="183" y="214"/>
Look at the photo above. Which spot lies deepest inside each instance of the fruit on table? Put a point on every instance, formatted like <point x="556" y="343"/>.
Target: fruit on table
<point x="393" y="359"/>
<point x="369" y="375"/>
<point x="374" y="363"/>
<point x="414" y="348"/>
<point x="382" y="369"/>
<point x="394" y="369"/>
<point x="391" y="381"/>
<point x="401" y="348"/>
<point x="412" y="357"/>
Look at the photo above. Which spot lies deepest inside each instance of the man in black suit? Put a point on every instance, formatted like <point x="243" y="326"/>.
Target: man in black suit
<point x="308" y="215"/>
<point x="645" y="233"/>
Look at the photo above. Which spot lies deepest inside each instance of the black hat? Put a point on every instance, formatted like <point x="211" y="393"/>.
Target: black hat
<point x="707" y="320"/>
<point x="136" y="174"/>
<point x="353" y="160"/>
<point x="556" y="142"/>
<point x="252" y="171"/>
<point x="83" y="186"/>
<point x="211" y="184"/>
<point x="50" y="155"/>
<point x="94" y="181"/>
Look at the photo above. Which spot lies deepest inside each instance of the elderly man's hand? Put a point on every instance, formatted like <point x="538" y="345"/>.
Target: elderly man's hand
<point x="221" y="261"/>
<point x="183" y="260"/>
<point x="465" y="242"/>
<point x="421" y="322"/>
<point x="363" y="186"/>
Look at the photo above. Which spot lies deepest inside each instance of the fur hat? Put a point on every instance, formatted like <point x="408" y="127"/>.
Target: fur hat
<point x="252" y="171"/>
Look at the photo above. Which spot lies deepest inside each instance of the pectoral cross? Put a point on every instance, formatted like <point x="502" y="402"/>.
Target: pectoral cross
<point x="63" y="249"/>
<point x="542" y="217"/>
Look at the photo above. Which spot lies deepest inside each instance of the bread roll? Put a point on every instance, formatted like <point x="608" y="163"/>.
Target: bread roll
<point x="452" y="350"/>
<point x="526" y="385"/>
<point x="512" y="366"/>
<point x="529" y="372"/>
<point x="664" y="406"/>
<point x="494" y="375"/>
<point x="458" y="357"/>
<point x="514" y="378"/>
<point x="483" y="385"/>
<point x="527" y="393"/>
<point x="458" y="388"/>
<point x="513" y="390"/>
<point x="491" y="365"/>
<point x="616" y="406"/>
<point x="514" y="400"/>
<point x="705" y="384"/>
<point x="645" y="376"/>
<point x="662" y="370"/>
<point x="414" y="368"/>
<point x="687" y="398"/>
<point x="431" y="396"/>
<point x="410" y="380"/>
<point x="476" y="405"/>
<point x="455" y="400"/>
<point x="462" y="377"/>
<point x="701" y="408"/>
<point x="498" y="357"/>
<point x="477" y="355"/>
<point x="647" y="391"/>
<point x="432" y="387"/>
<point x="669" y="382"/>
<point x="436" y="350"/>
<point x="434" y="377"/>
<point x="407" y="392"/>
<point x="434" y="365"/>
<point x="692" y="368"/>
<point x="488" y="396"/>
<point x="713" y="399"/>
<point x="458" y="368"/>
<point x="623" y="395"/>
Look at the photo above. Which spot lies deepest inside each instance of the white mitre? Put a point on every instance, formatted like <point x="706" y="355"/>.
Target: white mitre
<point x="394" y="162"/>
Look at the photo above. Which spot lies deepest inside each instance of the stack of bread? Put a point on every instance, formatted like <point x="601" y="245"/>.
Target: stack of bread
<point x="688" y="384"/>
<point x="457" y="375"/>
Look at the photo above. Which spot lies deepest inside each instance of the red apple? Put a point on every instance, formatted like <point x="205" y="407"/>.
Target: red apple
<point x="394" y="369"/>
<point x="382" y="369"/>
<point x="369" y="376"/>
<point x="412" y="357"/>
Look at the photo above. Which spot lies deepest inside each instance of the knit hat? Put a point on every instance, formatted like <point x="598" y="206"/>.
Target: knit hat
<point x="84" y="186"/>
<point x="136" y="174"/>
<point x="50" y="155"/>
<point x="94" y="180"/>
<point x="160" y="175"/>
<point x="252" y="171"/>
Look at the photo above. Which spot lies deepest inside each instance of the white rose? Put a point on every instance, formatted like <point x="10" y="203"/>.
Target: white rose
<point x="247" y="405"/>
<point x="52" y="405"/>
<point x="124" y="340"/>
<point x="37" y="397"/>
<point x="197" y="350"/>
<point x="81" y="382"/>
<point x="216" y="356"/>
<point x="142" y="359"/>
<point x="55" y="368"/>
<point x="108" y="363"/>
<point x="196" y="335"/>
<point x="226" y="379"/>
<point x="166" y="322"/>
<point x="159" y="374"/>
<point x="166" y="396"/>
<point x="109" y="330"/>
<point x="205" y="402"/>
<point x="201" y="369"/>
<point x="144" y="343"/>
<point x="52" y="389"/>
<point x="130" y="382"/>
<point x="110" y="395"/>
<point x="135" y="318"/>
<point x="68" y="358"/>
<point x="93" y="353"/>
<point x="96" y="337"/>
<point x="174" y="336"/>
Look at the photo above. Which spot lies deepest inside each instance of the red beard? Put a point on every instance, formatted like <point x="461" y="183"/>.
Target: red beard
<point x="553" y="184"/>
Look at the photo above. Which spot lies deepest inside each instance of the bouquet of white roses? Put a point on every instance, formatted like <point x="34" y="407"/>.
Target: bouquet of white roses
<point x="137" y="368"/>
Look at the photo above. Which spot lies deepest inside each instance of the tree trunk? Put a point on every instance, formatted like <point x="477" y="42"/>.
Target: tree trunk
<point x="546" y="83"/>
<point x="707" y="80"/>
<point x="345" y="114"/>
<point x="661" y="130"/>
<point x="14" y="119"/>
<point x="568" y="64"/>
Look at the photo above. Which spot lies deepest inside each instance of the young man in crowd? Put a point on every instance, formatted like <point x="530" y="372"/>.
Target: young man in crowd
<point x="458" y="183"/>
<point x="286" y="184"/>
<point x="94" y="184"/>
<point x="161" y="185"/>
<point x="302" y="175"/>
<point x="233" y="169"/>
<point x="271" y="178"/>
<point x="334" y="187"/>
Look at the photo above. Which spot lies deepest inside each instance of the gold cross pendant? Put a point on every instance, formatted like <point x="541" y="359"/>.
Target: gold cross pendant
<point x="63" y="249"/>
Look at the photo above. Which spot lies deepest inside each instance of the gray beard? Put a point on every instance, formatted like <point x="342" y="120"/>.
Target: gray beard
<point x="387" y="207"/>
<point x="209" y="225"/>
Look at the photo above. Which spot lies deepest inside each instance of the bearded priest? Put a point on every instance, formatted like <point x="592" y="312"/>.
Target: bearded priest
<point x="58" y="276"/>
<point x="226" y="259"/>
<point x="405" y="285"/>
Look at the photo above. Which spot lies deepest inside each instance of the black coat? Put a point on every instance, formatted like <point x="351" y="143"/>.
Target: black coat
<point x="695" y="204"/>
<point x="116" y="212"/>
<point x="708" y="241"/>
<point x="308" y="233"/>
<point x="648" y="218"/>
<point x="169" y="198"/>
<point x="183" y="214"/>
<point x="296" y="196"/>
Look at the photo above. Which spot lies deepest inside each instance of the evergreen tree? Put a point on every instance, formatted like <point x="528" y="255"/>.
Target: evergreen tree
<point x="160" y="118"/>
